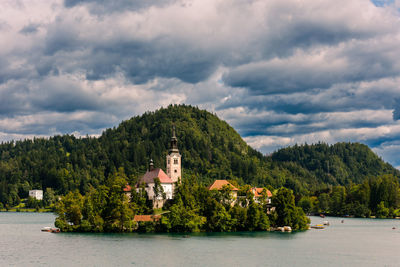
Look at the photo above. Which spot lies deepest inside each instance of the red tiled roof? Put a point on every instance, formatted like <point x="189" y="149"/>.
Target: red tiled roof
<point x="218" y="184"/>
<point x="127" y="188"/>
<point x="257" y="191"/>
<point x="146" y="218"/>
<point x="149" y="177"/>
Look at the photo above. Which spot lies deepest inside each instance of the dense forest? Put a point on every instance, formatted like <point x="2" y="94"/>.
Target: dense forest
<point x="210" y="148"/>
<point x="376" y="196"/>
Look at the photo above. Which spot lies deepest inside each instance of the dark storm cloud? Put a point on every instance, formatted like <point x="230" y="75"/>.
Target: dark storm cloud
<point x="376" y="95"/>
<point x="106" y="6"/>
<point x="306" y="72"/>
<point x="396" y="110"/>
<point x="30" y="28"/>
<point x="174" y="55"/>
<point x="62" y="95"/>
<point x="141" y="61"/>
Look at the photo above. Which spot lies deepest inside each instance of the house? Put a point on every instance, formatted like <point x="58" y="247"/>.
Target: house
<point x="37" y="194"/>
<point x="127" y="191"/>
<point x="258" y="192"/>
<point x="220" y="184"/>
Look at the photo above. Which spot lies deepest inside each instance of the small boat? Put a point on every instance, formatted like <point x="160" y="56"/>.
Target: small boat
<point x="318" y="226"/>
<point x="342" y="221"/>
<point x="322" y="215"/>
<point x="50" y="229"/>
<point x="326" y="223"/>
<point x="287" y="228"/>
<point x="394" y="228"/>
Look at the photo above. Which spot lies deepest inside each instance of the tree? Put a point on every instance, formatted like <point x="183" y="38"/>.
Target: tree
<point x="49" y="197"/>
<point x="32" y="203"/>
<point x="381" y="210"/>
<point x="306" y="204"/>
<point x="257" y="219"/>
<point x="287" y="214"/>
<point x="158" y="190"/>
<point x="337" y="200"/>
<point x="69" y="211"/>
<point x="183" y="219"/>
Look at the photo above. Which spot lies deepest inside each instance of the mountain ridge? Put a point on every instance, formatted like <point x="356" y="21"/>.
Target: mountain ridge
<point x="210" y="148"/>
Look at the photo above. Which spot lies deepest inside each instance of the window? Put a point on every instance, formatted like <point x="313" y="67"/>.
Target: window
<point x="175" y="161"/>
<point x="175" y="171"/>
<point x="169" y="161"/>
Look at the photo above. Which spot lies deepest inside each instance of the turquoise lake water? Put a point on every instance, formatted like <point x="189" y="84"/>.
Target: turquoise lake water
<point x="356" y="242"/>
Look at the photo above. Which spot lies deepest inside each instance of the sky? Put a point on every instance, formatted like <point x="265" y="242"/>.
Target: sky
<point x="280" y="72"/>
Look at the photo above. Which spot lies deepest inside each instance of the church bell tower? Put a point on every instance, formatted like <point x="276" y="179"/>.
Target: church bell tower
<point x="174" y="168"/>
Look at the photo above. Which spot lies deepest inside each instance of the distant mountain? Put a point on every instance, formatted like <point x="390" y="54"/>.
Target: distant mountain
<point x="210" y="148"/>
<point x="338" y="164"/>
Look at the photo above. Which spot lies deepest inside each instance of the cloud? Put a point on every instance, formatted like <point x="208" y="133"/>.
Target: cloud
<point x="104" y="6"/>
<point x="281" y="72"/>
<point x="30" y="28"/>
<point x="396" y="111"/>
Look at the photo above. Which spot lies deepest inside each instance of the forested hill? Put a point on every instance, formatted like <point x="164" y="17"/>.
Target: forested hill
<point x="210" y="149"/>
<point x="341" y="163"/>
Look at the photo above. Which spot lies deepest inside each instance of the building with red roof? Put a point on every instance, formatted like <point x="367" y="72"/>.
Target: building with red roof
<point x="220" y="184"/>
<point x="258" y="192"/>
<point x="165" y="188"/>
<point x="159" y="185"/>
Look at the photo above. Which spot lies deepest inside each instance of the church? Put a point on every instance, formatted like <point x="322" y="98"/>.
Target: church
<point x="167" y="180"/>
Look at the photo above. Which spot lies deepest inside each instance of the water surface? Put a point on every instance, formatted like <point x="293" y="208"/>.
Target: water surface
<point x="356" y="242"/>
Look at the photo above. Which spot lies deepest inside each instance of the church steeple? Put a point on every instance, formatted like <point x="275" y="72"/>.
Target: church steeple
<point x="174" y="142"/>
<point x="174" y="167"/>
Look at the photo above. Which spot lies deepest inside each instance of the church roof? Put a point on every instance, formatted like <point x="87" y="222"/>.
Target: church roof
<point x="149" y="177"/>
<point x="218" y="184"/>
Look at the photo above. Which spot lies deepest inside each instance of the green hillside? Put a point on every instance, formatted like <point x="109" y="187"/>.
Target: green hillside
<point x="210" y="148"/>
<point x="338" y="164"/>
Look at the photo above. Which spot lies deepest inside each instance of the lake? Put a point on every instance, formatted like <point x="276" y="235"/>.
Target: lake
<point x="356" y="242"/>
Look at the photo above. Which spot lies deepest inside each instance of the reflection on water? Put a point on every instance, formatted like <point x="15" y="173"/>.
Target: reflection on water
<point x="355" y="242"/>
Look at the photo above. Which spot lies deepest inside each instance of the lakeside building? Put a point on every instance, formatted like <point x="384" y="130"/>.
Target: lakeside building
<point x="221" y="184"/>
<point x="155" y="194"/>
<point x="37" y="194"/>
<point x="160" y="192"/>
<point x="258" y="193"/>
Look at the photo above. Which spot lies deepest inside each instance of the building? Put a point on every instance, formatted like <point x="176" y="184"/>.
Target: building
<point x="258" y="192"/>
<point x="174" y="159"/>
<point x="221" y="184"/>
<point x="147" y="218"/>
<point x="37" y="194"/>
<point x="127" y="191"/>
<point x="167" y="180"/>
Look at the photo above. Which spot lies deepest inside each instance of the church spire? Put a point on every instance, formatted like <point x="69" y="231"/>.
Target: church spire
<point x="174" y="142"/>
<point x="174" y="167"/>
